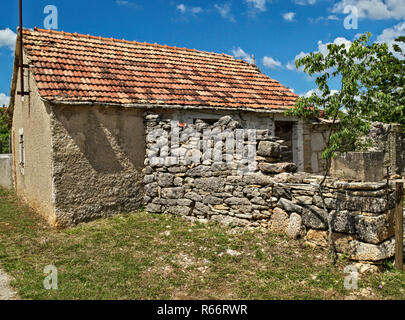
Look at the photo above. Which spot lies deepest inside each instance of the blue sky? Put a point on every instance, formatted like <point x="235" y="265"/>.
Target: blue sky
<point x="275" y="31"/>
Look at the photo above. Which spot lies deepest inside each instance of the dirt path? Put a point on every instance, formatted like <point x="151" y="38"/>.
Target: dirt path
<point x="6" y="292"/>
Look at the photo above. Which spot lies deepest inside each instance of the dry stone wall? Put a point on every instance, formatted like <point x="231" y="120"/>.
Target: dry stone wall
<point x="199" y="178"/>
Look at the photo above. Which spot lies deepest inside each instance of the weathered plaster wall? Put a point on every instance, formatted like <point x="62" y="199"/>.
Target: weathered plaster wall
<point x="98" y="156"/>
<point x="316" y="144"/>
<point x="390" y="139"/>
<point x="33" y="181"/>
<point x="269" y="195"/>
<point x="6" y="171"/>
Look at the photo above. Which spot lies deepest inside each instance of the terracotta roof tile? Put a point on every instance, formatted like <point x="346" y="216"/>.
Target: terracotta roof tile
<point x="81" y="68"/>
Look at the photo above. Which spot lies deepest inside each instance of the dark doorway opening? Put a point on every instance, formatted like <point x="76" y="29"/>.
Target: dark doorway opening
<point x="284" y="131"/>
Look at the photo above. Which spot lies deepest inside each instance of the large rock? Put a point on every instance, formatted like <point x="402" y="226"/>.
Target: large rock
<point x="343" y="221"/>
<point x="165" y="179"/>
<point x="330" y="203"/>
<point x="213" y="184"/>
<point x="201" y="209"/>
<point x="269" y="149"/>
<point x="257" y="178"/>
<point x="289" y="206"/>
<point x="295" y="229"/>
<point x="212" y="200"/>
<point x="153" y="208"/>
<point x="371" y="252"/>
<point x="193" y="196"/>
<point x="340" y="241"/>
<point x="231" y="221"/>
<point x="317" y="237"/>
<point x="199" y="171"/>
<point x="151" y="189"/>
<point x="314" y="217"/>
<point x="279" y="220"/>
<point x="303" y="200"/>
<point x="179" y="210"/>
<point x="374" y="229"/>
<point x="365" y="204"/>
<point x="172" y="193"/>
<point x="275" y="168"/>
<point x="234" y="201"/>
<point x="281" y="192"/>
<point x="364" y="166"/>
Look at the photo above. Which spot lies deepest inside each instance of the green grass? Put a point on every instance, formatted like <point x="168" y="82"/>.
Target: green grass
<point x="146" y="256"/>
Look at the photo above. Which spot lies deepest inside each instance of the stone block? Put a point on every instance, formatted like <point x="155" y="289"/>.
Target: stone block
<point x="363" y="166"/>
<point x="269" y="149"/>
<point x="374" y="229"/>
<point x="289" y="206"/>
<point x="276" y="168"/>
<point x="371" y="252"/>
<point x="294" y="228"/>
<point x="315" y="218"/>
<point x="279" y="220"/>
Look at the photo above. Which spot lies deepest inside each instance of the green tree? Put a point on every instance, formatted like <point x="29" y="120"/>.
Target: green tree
<point x="371" y="88"/>
<point x="4" y="130"/>
<point x="386" y="85"/>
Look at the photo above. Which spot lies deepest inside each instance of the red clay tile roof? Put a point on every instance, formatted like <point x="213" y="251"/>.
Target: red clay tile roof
<point x="78" y="68"/>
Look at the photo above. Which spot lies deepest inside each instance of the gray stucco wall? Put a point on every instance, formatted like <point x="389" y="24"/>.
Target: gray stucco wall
<point x="33" y="180"/>
<point x="98" y="156"/>
<point x="6" y="171"/>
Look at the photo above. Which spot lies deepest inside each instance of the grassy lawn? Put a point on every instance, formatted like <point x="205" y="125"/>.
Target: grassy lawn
<point x="145" y="256"/>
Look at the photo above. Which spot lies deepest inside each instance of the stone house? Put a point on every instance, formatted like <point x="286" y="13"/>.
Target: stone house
<point x="111" y="126"/>
<point x="78" y="138"/>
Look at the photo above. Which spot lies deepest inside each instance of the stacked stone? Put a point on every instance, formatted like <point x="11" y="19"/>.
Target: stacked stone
<point x="205" y="188"/>
<point x="359" y="220"/>
<point x="272" y="195"/>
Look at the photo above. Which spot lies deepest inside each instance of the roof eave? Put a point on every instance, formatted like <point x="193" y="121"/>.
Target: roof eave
<point x="166" y="106"/>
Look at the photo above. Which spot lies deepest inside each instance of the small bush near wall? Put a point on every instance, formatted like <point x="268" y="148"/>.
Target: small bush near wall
<point x="4" y="131"/>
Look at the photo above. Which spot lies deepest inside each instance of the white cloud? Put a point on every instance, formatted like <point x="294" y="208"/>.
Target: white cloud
<point x="374" y="9"/>
<point x="390" y="34"/>
<point x="331" y="17"/>
<point x="225" y="11"/>
<point x="7" y="38"/>
<point x="291" y="65"/>
<point x="239" y="53"/>
<point x="322" y="48"/>
<point x="317" y="92"/>
<point x="181" y="7"/>
<point x="4" y="100"/>
<point x="304" y="2"/>
<point x="289" y="16"/>
<point x="186" y="9"/>
<point x="269" y="62"/>
<point x="256" y="6"/>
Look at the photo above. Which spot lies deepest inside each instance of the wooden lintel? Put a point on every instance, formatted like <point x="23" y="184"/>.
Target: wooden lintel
<point x="399" y="227"/>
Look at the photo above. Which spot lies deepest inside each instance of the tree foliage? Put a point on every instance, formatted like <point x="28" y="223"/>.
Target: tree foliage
<point x="371" y="88"/>
<point x="4" y="130"/>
